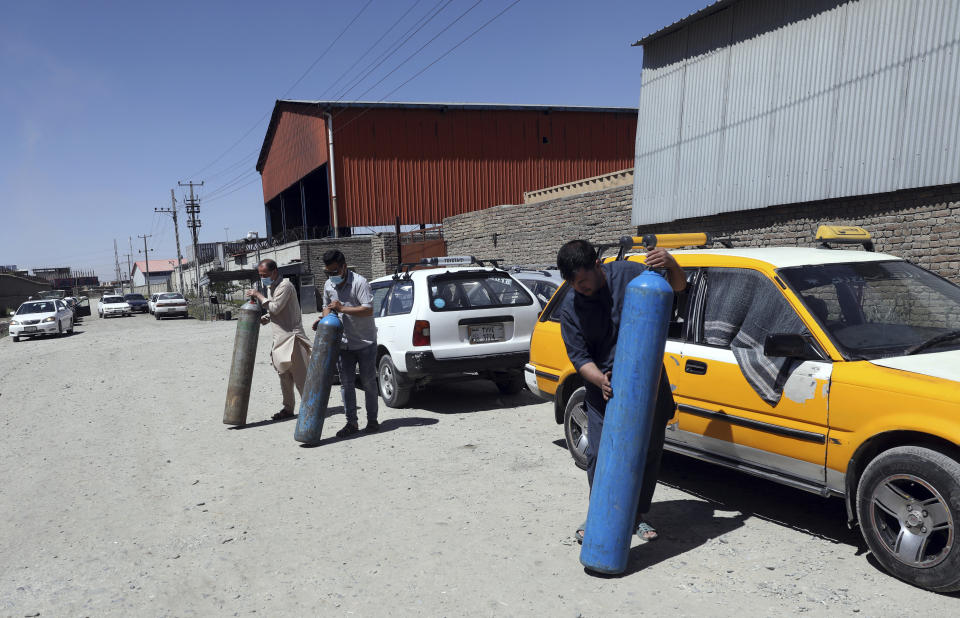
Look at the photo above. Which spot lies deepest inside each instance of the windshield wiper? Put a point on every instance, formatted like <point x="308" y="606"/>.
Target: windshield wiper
<point x="948" y="336"/>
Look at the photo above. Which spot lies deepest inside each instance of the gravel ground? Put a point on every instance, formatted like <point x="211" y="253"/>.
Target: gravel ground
<point x="122" y="493"/>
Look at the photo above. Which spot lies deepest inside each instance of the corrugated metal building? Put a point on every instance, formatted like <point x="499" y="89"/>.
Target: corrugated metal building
<point x="425" y="161"/>
<point x="749" y="104"/>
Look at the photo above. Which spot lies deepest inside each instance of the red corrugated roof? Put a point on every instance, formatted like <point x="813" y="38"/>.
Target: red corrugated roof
<point x="156" y="266"/>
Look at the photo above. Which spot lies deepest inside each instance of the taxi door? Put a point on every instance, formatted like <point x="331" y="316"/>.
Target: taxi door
<point x="720" y="415"/>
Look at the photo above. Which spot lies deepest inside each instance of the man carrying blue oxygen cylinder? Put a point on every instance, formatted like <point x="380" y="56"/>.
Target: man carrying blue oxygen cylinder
<point x="589" y="323"/>
<point x="349" y="295"/>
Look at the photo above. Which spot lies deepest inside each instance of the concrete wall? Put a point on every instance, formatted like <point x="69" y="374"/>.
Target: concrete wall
<point x="14" y="290"/>
<point x="921" y="225"/>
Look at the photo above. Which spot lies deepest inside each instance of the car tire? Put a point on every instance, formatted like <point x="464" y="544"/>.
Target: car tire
<point x="394" y="392"/>
<point x="72" y="324"/>
<point x="510" y="383"/>
<point x="156" y="315"/>
<point x="59" y="329"/>
<point x="905" y="488"/>
<point x="15" y="338"/>
<point x="575" y="427"/>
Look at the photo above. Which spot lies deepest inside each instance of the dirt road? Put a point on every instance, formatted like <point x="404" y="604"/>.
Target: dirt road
<point x="122" y="493"/>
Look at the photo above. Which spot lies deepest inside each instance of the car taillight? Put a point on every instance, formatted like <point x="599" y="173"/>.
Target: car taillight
<point x="421" y="332"/>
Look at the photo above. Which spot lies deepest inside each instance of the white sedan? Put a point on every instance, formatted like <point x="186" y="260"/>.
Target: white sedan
<point x="113" y="305"/>
<point x="41" y="317"/>
<point x="170" y="304"/>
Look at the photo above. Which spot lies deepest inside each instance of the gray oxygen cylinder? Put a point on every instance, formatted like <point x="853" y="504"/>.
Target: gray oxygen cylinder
<point x="241" y="369"/>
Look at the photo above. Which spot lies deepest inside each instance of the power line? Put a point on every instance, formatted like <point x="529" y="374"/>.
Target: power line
<point x="421" y="48"/>
<point x="371" y="48"/>
<point x="261" y="119"/>
<point x="438" y="59"/>
<point x="327" y="50"/>
<point x="394" y="47"/>
<point x="223" y="195"/>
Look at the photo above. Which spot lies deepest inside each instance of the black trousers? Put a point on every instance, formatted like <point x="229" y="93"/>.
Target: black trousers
<point x="663" y="412"/>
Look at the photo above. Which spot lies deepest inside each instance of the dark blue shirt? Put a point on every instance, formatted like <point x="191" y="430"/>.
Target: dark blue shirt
<point x="589" y="325"/>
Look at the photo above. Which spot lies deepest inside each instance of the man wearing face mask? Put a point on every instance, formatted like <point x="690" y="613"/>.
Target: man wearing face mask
<point x="291" y="347"/>
<point x="349" y="295"/>
<point x="590" y="326"/>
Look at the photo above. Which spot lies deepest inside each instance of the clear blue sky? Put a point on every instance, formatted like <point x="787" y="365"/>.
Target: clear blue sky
<point x="104" y="106"/>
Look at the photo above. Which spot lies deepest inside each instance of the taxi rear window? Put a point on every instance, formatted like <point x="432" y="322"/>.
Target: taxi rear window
<point x="475" y="290"/>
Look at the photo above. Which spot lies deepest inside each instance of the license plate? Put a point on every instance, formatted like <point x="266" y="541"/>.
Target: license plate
<point x="30" y="329"/>
<point x="486" y="333"/>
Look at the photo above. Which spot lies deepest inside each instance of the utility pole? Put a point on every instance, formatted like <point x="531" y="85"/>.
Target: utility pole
<point x="146" y="259"/>
<point x="192" y="206"/>
<point x="116" y="260"/>
<point x="176" y="232"/>
<point x="129" y="269"/>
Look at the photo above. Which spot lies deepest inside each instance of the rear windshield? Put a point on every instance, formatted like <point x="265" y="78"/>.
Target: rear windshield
<point x="171" y="296"/>
<point x="134" y="297"/>
<point x="36" y="308"/>
<point x="475" y="290"/>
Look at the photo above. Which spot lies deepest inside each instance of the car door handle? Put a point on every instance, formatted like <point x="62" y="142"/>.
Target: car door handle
<point x="697" y="368"/>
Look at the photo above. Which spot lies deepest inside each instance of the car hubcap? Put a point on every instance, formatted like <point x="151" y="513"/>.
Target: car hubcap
<point x="386" y="380"/>
<point x="578" y="428"/>
<point x="913" y="520"/>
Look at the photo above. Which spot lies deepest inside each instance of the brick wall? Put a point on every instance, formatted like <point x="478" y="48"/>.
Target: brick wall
<point x="921" y="225"/>
<point x="530" y="234"/>
<point x="371" y="256"/>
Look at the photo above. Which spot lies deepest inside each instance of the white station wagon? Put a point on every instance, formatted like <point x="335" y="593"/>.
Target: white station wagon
<point x="449" y="319"/>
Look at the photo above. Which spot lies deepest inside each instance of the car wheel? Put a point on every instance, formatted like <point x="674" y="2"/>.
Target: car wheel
<point x="575" y="427"/>
<point x="390" y="381"/>
<point x="15" y="338"/>
<point x="72" y="324"/>
<point x="908" y="504"/>
<point x="59" y="329"/>
<point x="156" y="315"/>
<point x="510" y="383"/>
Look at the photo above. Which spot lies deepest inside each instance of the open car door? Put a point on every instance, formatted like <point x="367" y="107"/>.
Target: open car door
<point x="83" y="307"/>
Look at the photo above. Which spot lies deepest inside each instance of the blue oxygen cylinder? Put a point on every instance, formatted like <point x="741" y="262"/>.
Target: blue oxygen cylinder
<point x="316" y="389"/>
<point x="627" y="424"/>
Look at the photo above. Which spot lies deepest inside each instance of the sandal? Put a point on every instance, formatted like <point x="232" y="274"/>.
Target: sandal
<point x="282" y="414"/>
<point x="579" y="533"/>
<point x="646" y="532"/>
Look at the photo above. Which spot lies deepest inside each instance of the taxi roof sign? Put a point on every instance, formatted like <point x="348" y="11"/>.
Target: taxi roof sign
<point x="843" y="235"/>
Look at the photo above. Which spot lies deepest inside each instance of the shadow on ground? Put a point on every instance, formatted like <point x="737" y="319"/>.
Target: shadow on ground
<point x="469" y="396"/>
<point x="824" y="518"/>
<point x="692" y="523"/>
<point x="390" y="424"/>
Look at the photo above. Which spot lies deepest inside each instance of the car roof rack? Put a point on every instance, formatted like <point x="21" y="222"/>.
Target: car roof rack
<point x="829" y="235"/>
<point x="404" y="268"/>
<point x="667" y="241"/>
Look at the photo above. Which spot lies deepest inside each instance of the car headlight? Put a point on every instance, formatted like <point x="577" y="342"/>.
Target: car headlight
<point x="14" y="323"/>
<point x="50" y="319"/>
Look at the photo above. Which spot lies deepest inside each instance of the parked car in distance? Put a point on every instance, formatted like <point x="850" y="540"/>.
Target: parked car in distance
<point x="455" y="319"/>
<point x="113" y="306"/>
<point x="41" y="317"/>
<point x="138" y="304"/>
<point x="832" y="371"/>
<point x="543" y="283"/>
<point x="169" y="305"/>
<point x="152" y="302"/>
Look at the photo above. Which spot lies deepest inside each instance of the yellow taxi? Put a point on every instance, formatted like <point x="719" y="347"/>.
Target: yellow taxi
<point x="835" y="371"/>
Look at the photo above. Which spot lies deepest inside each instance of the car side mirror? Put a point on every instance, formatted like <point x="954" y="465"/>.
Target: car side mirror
<point x="791" y="345"/>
